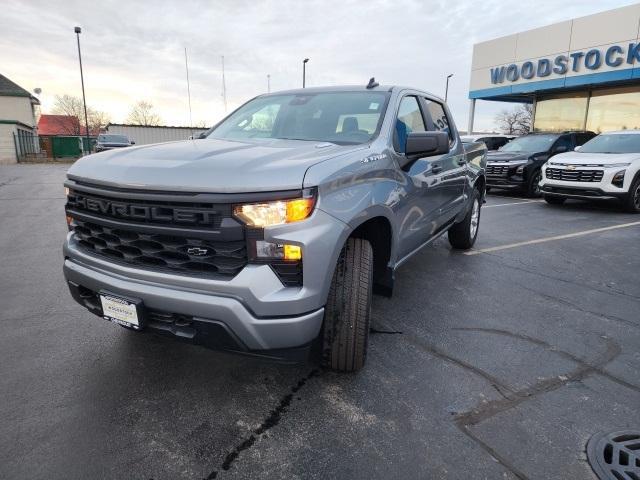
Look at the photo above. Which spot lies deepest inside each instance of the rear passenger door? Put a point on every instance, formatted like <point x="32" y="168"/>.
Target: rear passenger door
<point x="452" y="177"/>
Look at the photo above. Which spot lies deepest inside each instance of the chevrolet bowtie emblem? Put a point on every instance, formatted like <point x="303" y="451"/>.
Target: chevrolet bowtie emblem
<point x="197" y="251"/>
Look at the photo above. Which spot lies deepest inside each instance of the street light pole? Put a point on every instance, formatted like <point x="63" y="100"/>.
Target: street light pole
<point x="446" y="91"/>
<point x="304" y="72"/>
<point x="78" y="30"/>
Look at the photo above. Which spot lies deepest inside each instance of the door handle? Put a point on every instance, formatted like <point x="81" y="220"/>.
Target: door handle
<point x="436" y="168"/>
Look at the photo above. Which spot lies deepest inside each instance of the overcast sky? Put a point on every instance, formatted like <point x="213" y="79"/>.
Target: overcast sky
<point x="135" y="50"/>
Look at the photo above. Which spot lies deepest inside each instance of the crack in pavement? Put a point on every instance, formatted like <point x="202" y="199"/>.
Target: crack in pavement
<point x="562" y="301"/>
<point x="493" y="256"/>
<point x="488" y="410"/>
<point x="512" y="398"/>
<point x="271" y="421"/>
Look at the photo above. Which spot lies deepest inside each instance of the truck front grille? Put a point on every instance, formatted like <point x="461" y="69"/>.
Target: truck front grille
<point x="178" y="233"/>
<point x="177" y="254"/>
<point x="574" y="175"/>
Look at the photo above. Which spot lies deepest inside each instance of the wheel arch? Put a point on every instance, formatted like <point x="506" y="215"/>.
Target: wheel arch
<point x="378" y="231"/>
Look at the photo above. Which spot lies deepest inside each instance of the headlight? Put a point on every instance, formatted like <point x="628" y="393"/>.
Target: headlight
<point x="276" y="213"/>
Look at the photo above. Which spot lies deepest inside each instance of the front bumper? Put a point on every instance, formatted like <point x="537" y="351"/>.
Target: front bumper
<point x="504" y="175"/>
<point x="599" y="190"/>
<point x="254" y="308"/>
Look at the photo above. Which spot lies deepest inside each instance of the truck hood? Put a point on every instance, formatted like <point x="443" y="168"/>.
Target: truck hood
<point x="579" y="158"/>
<point x="508" y="156"/>
<point x="208" y="165"/>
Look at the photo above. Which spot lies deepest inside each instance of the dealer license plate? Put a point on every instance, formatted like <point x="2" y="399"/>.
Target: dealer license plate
<point x="120" y="310"/>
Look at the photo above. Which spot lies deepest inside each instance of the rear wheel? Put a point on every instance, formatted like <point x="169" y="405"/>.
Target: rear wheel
<point x="463" y="235"/>
<point x="553" y="200"/>
<point x="632" y="203"/>
<point x="533" y="187"/>
<point x="346" y="319"/>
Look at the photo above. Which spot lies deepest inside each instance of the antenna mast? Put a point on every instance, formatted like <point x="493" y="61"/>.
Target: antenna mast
<point x="186" y="66"/>
<point x="224" y="87"/>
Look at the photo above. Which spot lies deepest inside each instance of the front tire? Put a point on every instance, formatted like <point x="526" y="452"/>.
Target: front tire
<point x="553" y="200"/>
<point x="348" y="311"/>
<point x="632" y="203"/>
<point x="463" y="235"/>
<point x="533" y="187"/>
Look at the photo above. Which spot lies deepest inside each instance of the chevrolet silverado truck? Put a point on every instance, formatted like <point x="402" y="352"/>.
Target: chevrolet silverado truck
<point x="518" y="164"/>
<point x="269" y="235"/>
<point x="607" y="167"/>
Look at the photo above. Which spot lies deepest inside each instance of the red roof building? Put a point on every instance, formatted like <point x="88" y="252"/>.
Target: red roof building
<point x="57" y="125"/>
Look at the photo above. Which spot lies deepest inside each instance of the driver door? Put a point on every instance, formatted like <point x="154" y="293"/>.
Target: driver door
<point x="418" y="212"/>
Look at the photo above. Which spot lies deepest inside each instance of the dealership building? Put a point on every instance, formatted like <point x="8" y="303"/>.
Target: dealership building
<point x="578" y="74"/>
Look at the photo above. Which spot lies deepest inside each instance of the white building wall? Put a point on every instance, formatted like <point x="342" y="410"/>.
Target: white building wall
<point x="614" y="27"/>
<point x="147" y="135"/>
<point x="17" y="109"/>
<point x="7" y="146"/>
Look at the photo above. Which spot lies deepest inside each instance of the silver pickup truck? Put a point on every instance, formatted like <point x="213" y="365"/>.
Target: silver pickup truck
<point x="269" y="235"/>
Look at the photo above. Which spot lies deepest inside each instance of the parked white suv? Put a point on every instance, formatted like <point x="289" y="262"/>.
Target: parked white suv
<point x="606" y="167"/>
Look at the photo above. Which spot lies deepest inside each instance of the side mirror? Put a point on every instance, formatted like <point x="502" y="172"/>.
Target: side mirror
<point x="132" y="142"/>
<point x="427" y="144"/>
<point x="202" y="135"/>
<point x="560" y="149"/>
<point x="577" y="149"/>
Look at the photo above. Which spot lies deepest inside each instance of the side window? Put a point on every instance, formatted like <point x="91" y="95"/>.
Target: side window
<point x="499" y="142"/>
<point x="409" y="120"/>
<point x="564" y="141"/>
<point x="582" y="138"/>
<point x="439" y="117"/>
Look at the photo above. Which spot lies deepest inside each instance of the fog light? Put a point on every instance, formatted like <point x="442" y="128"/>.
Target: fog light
<point x="268" y="250"/>
<point x="618" y="179"/>
<point x="292" y="252"/>
<point x="520" y="169"/>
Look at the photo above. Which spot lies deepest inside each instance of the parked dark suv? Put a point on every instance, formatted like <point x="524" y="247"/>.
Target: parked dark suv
<point x="517" y="164"/>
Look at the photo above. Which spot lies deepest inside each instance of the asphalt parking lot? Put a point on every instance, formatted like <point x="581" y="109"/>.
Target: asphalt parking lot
<point x="497" y="364"/>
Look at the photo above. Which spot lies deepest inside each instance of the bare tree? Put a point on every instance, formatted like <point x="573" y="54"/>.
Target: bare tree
<point x="72" y="107"/>
<point x="516" y="121"/>
<point x="142" y="114"/>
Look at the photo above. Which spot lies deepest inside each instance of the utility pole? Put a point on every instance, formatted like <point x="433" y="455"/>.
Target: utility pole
<point x="186" y="67"/>
<point x="78" y="30"/>
<point x="224" y="87"/>
<point x="268" y="83"/>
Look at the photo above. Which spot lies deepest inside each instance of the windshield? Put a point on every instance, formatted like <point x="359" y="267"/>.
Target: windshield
<point x="337" y="117"/>
<point x="113" y="139"/>
<point x="530" y="143"/>
<point x="613" y="143"/>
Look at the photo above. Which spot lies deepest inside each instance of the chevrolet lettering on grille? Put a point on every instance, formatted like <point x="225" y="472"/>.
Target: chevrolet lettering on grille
<point x="126" y="210"/>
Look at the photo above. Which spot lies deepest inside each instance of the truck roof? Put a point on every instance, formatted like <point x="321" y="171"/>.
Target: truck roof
<point x="350" y="88"/>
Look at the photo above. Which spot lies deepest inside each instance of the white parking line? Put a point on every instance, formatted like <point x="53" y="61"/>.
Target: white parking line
<point x="512" y="203"/>
<point x="550" y="239"/>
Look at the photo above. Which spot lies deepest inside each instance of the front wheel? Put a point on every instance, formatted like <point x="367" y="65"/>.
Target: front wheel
<point x="463" y="235"/>
<point x="533" y="187"/>
<point x="346" y="316"/>
<point x="632" y="203"/>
